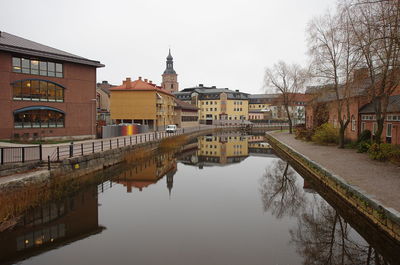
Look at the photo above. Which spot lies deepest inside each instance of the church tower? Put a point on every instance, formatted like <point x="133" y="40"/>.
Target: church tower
<point x="169" y="77"/>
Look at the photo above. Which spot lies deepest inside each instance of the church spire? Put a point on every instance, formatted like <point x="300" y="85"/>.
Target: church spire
<point x="169" y="77"/>
<point x="170" y="64"/>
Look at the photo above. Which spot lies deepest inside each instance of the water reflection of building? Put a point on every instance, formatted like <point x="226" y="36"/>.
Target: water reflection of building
<point x="149" y="172"/>
<point x="222" y="149"/>
<point x="52" y="225"/>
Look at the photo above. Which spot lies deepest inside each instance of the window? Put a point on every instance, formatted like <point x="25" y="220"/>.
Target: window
<point x="36" y="67"/>
<point x="374" y="128"/>
<point x="38" y="90"/>
<point x="189" y="118"/>
<point x="363" y="126"/>
<point x="39" y="117"/>
<point x="389" y="130"/>
<point x="353" y="123"/>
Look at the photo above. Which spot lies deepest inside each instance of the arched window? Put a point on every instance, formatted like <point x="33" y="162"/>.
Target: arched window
<point x="39" y="117"/>
<point x="38" y="90"/>
<point x="353" y="123"/>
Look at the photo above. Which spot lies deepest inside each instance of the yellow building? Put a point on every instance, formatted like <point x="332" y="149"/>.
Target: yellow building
<point x="217" y="105"/>
<point x="143" y="102"/>
<point x="222" y="149"/>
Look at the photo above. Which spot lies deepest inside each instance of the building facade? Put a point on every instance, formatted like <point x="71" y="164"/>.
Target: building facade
<point x="391" y="126"/>
<point x="45" y="93"/>
<point x="169" y="77"/>
<point x="186" y="115"/>
<point x="103" y="102"/>
<point x="324" y="105"/>
<point x="142" y="102"/>
<point x="217" y="105"/>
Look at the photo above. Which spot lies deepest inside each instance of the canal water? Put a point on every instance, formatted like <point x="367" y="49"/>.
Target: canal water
<point x="220" y="199"/>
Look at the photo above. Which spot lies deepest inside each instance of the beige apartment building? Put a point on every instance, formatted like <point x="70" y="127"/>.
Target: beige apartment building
<point x="217" y="105"/>
<point x="142" y="102"/>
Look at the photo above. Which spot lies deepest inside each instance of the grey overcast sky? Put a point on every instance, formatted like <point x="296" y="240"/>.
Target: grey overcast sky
<point x="227" y="43"/>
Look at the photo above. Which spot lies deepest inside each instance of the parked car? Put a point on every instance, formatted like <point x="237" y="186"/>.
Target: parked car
<point x="171" y="128"/>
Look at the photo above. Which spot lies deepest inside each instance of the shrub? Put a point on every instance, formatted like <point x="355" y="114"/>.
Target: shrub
<point x="363" y="146"/>
<point x="302" y="133"/>
<point x="326" y="134"/>
<point x="380" y="152"/>
<point x="365" y="136"/>
<point x="395" y="154"/>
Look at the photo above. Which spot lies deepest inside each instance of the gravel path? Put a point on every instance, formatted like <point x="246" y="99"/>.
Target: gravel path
<point x="378" y="179"/>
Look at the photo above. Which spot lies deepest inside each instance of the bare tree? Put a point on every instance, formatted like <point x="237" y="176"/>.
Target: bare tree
<point x="323" y="237"/>
<point x="280" y="191"/>
<point x="375" y="26"/>
<point x="333" y="60"/>
<point x="286" y="80"/>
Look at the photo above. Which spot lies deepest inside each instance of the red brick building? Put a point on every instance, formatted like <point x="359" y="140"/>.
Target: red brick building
<point x="45" y="92"/>
<point x="362" y="113"/>
<point x="391" y="127"/>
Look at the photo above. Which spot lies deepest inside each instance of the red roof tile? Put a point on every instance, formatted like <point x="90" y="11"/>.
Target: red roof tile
<point x="139" y="84"/>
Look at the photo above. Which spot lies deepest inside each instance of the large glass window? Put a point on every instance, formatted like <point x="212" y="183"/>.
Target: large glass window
<point x="38" y="90"/>
<point x="36" y="67"/>
<point x="16" y="65"/>
<point x="39" y="117"/>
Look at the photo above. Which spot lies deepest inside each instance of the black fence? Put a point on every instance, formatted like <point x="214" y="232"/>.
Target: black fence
<point x="20" y="154"/>
<point x="79" y="149"/>
<point x="62" y="152"/>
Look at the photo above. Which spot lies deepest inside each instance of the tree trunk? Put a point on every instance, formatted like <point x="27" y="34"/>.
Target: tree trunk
<point x="289" y="118"/>
<point x="379" y="130"/>
<point x="341" y="136"/>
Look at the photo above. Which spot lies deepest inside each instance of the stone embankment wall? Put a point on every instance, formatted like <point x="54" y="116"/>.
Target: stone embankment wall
<point x="79" y="166"/>
<point x="386" y="219"/>
<point x="82" y="165"/>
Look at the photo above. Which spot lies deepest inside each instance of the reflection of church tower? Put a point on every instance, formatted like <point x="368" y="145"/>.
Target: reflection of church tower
<point x="169" y="77"/>
<point x="170" y="180"/>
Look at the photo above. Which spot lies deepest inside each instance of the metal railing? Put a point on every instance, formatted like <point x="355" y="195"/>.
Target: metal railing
<point x="20" y="154"/>
<point x="80" y="149"/>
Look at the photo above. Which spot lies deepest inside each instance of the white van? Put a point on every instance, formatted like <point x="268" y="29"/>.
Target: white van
<point x="171" y="128"/>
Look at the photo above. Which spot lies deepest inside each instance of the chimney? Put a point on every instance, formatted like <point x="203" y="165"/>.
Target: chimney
<point x="127" y="82"/>
<point x="140" y="78"/>
<point x="237" y="90"/>
<point x="151" y="82"/>
<point x="201" y="85"/>
<point x="213" y="87"/>
<point x="145" y="80"/>
<point x="104" y="82"/>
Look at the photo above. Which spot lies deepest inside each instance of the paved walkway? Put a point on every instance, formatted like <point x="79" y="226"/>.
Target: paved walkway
<point x="378" y="179"/>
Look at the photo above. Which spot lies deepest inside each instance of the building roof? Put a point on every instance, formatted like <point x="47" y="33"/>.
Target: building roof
<point x="139" y="85"/>
<point x="105" y="86"/>
<point x="393" y="106"/>
<point x="15" y="44"/>
<point x="262" y="96"/>
<point x="185" y="106"/>
<point x="210" y="93"/>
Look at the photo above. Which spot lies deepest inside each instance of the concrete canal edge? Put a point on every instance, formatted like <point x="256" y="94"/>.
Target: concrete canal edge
<point x="387" y="219"/>
<point x="82" y="165"/>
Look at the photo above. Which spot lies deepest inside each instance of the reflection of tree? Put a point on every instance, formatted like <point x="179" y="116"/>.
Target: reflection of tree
<point x="279" y="191"/>
<point x="323" y="237"/>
